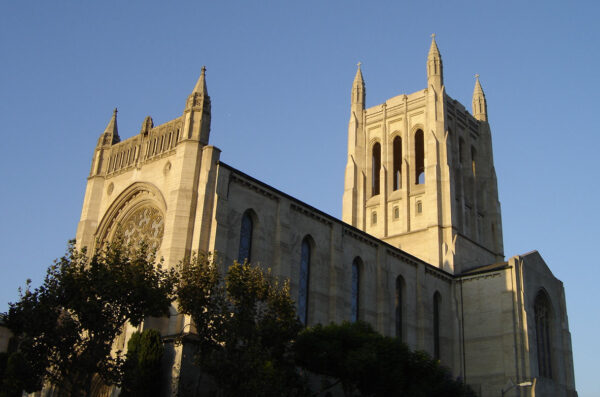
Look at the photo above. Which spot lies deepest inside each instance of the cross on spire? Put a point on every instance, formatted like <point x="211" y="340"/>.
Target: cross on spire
<point x="433" y="35"/>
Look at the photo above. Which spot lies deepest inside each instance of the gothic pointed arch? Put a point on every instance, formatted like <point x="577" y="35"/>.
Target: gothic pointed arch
<point x="397" y="162"/>
<point x="357" y="268"/>
<point x="419" y="147"/>
<point x="375" y="169"/>
<point x="399" y="306"/>
<point x="247" y="227"/>
<point x="437" y="303"/>
<point x="306" y="250"/>
<point x="138" y="213"/>
<point x="474" y="161"/>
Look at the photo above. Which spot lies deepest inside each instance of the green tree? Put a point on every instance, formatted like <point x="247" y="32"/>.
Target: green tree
<point x="142" y="370"/>
<point x="66" y="327"/>
<point x="17" y="376"/>
<point x="246" y="322"/>
<point x="369" y="364"/>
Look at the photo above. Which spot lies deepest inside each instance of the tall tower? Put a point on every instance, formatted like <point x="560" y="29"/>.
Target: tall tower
<point x="420" y="173"/>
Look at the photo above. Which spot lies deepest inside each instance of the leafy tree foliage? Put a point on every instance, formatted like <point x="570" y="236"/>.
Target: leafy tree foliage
<point x="142" y="372"/>
<point x="369" y="364"/>
<point x="246" y="322"/>
<point x="66" y="327"/>
<point x="16" y="376"/>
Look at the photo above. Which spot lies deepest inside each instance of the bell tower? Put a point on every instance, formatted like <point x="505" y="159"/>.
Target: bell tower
<point x="420" y="173"/>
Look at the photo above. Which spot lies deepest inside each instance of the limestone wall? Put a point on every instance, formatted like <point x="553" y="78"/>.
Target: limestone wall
<point x="280" y="225"/>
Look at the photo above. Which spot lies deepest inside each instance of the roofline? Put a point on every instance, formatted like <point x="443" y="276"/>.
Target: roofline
<point x="473" y="272"/>
<point x="336" y="220"/>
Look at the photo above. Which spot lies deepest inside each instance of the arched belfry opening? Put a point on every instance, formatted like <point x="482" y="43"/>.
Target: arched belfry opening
<point x="419" y="158"/>
<point x="376" y="169"/>
<point x="397" y="159"/>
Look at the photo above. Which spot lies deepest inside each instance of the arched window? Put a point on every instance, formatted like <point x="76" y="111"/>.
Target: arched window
<point x="419" y="158"/>
<point x="376" y="168"/>
<point x="245" y="251"/>
<point x="304" y="281"/>
<point x="397" y="163"/>
<point x="473" y="159"/>
<point x="355" y="299"/>
<point x="437" y="300"/>
<point x="399" y="321"/>
<point x="543" y="317"/>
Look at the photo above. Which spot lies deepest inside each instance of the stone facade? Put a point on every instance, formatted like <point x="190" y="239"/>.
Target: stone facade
<point x="421" y="224"/>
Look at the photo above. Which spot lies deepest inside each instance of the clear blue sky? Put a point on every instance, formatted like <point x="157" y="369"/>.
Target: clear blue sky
<point x="279" y="74"/>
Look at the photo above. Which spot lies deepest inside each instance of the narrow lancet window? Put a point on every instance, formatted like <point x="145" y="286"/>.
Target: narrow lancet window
<point x="246" y="238"/>
<point x="473" y="160"/>
<point x="397" y="163"/>
<point x="543" y="334"/>
<point x="376" y="168"/>
<point x="398" y="305"/>
<point x="304" y="281"/>
<point x="419" y="158"/>
<point x="437" y="300"/>
<point x="355" y="290"/>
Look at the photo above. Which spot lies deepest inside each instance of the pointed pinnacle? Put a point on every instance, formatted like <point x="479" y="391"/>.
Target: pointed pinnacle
<point x="112" y="128"/>
<point x="111" y="132"/>
<point x="200" y="87"/>
<point x="478" y="89"/>
<point x="433" y="49"/>
<point x="358" y="78"/>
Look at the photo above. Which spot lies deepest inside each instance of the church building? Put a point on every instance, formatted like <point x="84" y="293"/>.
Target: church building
<point x="418" y="253"/>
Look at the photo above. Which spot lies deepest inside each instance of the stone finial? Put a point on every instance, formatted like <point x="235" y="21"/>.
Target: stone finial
<point x="147" y="125"/>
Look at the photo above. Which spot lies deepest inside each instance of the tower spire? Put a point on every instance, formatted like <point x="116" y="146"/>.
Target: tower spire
<point x="200" y="87"/>
<point x="479" y="102"/>
<point x="198" y="112"/>
<point x="358" y="89"/>
<point x="435" y="67"/>
<point x="110" y="136"/>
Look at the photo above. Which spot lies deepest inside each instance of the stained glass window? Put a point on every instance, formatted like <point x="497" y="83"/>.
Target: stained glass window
<point x="246" y="238"/>
<point x="303" y="281"/>
<point x="436" y="325"/>
<point x="355" y="290"/>
<point x="398" y="305"/>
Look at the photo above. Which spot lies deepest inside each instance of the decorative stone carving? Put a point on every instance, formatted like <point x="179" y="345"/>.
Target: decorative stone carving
<point x="145" y="223"/>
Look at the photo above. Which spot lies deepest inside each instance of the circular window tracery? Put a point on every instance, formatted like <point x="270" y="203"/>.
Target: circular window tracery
<point x="143" y="224"/>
